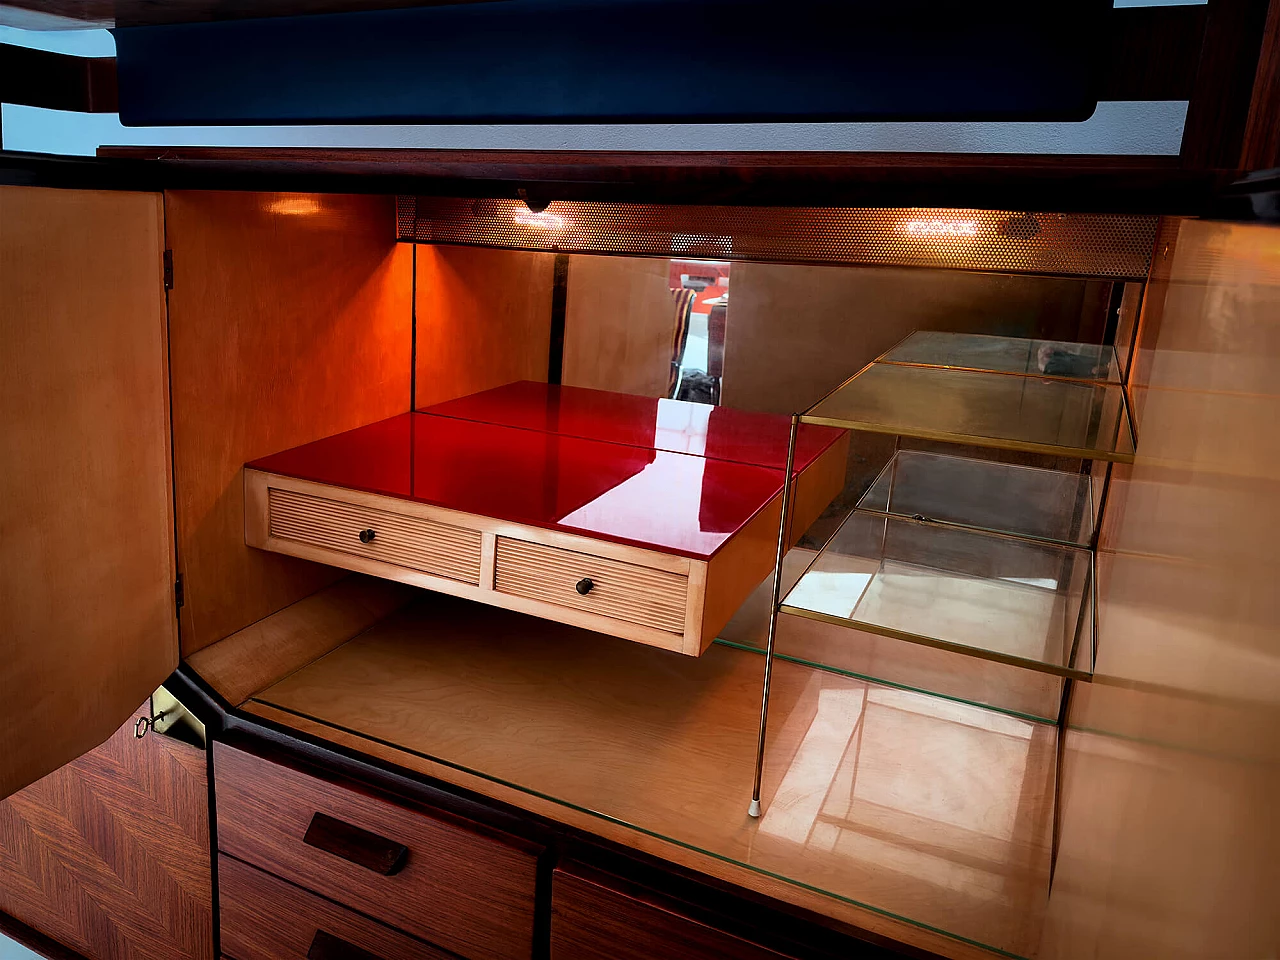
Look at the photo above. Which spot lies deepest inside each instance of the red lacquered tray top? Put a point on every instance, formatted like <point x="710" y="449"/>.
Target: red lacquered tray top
<point x="672" y="502"/>
<point x="721" y="433"/>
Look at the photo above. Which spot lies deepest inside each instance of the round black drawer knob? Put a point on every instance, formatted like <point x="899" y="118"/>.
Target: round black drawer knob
<point x="584" y="585"/>
<point x="366" y="536"/>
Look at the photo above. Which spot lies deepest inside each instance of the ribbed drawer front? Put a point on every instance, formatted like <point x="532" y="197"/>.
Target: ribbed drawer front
<point x="623" y="591"/>
<point x="425" y="545"/>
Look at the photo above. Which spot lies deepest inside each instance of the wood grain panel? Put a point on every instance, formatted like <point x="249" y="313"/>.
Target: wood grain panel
<point x="468" y="890"/>
<point x="265" y="918"/>
<point x="1218" y="110"/>
<point x="855" y="915"/>
<point x="592" y="921"/>
<point x="738" y="569"/>
<point x="984" y="181"/>
<point x="910" y="804"/>
<point x="815" y="489"/>
<point x="623" y="591"/>
<point x="484" y="319"/>
<point x="290" y="320"/>
<point x="619" y="324"/>
<point x="1170" y="840"/>
<point x="425" y="545"/>
<point x="110" y="854"/>
<point x="264" y="652"/>
<point x="87" y="625"/>
<point x="1261" y="149"/>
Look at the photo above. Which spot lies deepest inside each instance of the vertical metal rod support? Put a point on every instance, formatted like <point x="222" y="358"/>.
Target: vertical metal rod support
<point x="784" y="524"/>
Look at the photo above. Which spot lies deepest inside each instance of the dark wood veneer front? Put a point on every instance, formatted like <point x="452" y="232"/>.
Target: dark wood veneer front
<point x="590" y="920"/>
<point x="264" y="918"/>
<point x="464" y="887"/>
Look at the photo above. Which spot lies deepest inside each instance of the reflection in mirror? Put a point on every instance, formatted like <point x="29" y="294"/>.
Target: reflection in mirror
<point x="792" y="332"/>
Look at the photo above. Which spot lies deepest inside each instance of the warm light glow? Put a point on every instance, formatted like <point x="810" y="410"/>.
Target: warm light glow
<point x="295" y="205"/>
<point x="545" y="219"/>
<point x="942" y="228"/>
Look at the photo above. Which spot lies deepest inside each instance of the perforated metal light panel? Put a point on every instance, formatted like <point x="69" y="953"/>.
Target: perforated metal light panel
<point x="1068" y="244"/>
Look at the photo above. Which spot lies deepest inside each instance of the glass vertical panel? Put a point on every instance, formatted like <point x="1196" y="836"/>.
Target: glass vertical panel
<point x="1027" y="694"/>
<point x="991" y="596"/>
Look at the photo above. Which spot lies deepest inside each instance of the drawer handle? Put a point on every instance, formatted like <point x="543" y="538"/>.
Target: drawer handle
<point x="366" y="536"/>
<point x="326" y="946"/>
<point x="584" y="585"/>
<point x="358" y="846"/>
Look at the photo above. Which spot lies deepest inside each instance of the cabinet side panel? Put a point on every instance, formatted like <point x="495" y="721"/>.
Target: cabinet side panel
<point x="87" y="625"/>
<point x="291" y="320"/>
<point x="1170" y="843"/>
<point x="484" y="319"/>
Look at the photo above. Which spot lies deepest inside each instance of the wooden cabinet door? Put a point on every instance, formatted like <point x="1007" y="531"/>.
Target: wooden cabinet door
<point x="87" y="619"/>
<point x="109" y="855"/>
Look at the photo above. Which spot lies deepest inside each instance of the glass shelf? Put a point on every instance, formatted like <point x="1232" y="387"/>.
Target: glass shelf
<point x="618" y="739"/>
<point x="1036" y="358"/>
<point x="991" y="596"/>
<point x="1050" y="505"/>
<point x="1009" y="689"/>
<point x="1058" y="417"/>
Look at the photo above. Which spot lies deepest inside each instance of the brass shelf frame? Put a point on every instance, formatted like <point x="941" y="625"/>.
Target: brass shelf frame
<point x="1120" y="449"/>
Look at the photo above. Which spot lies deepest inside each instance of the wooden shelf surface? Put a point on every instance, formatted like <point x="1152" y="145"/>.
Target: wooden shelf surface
<point x="931" y="811"/>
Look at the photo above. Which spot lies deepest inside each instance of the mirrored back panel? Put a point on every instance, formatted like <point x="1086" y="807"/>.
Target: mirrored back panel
<point x="768" y="310"/>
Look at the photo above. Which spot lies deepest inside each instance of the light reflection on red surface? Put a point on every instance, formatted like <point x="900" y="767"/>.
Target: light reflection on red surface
<point x="626" y="493"/>
<point x="721" y="433"/>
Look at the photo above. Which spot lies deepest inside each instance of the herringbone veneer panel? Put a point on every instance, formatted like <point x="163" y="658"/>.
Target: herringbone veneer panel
<point x="109" y="854"/>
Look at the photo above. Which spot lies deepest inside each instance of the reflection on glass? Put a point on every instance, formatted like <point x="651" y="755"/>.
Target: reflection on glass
<point x="1027" y="501"/>
<point x="972" y="351"/>
<point x="928" y="810"/>
<point x="1004" y="599"/>
<point x="1059" y="417"/>
<point x="841" y="774"/>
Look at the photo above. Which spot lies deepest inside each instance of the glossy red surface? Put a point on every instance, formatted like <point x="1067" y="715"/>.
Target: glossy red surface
<point x="720" y="433"/>
<point x="672" y="502"/>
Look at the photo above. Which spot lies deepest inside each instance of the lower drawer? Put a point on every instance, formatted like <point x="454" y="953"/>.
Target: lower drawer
<point x="264" y="918"/>
<point x="467" y="888"/>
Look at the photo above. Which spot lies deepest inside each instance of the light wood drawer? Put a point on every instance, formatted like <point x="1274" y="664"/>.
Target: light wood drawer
<point x="265" y="918"/>
<point x="621" y="591"/>
<point x="413" y="542"/>
<point x="456" y="884"/>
